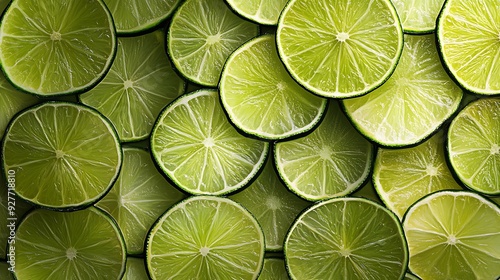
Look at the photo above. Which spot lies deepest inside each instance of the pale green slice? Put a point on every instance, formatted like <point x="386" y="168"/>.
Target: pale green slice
<point x="135" y="16"/>
<point x="418" y="16"/>
<point x="197" y="148"/>
<point x="12" y="209"/>
<point x="468" y="39"/>
<point x="274" y="206"/>
<point x="57" y="47"/>
<point x="413" y="103"/>
<point x="11" y="102"/>
<point x="342" y="238"/>
<point x="202" y="35"/>
<point x="261" y="11"/>
<point x="65" y="155"/>
<point x="205" y="237"/>
<point x="5" y="274"/>
<point x="403" y="176"/>
<point x="454" y="235"/>
<point x="135" y="269"/>
<point x="474" y="145"/>
<point x="138" y="198"/>
<point x="368" y="191"/>
<point x="334" y="160"/>
<point x="139" y="84"/>
<point x="273" y="269"/>
<point x="340" y="48"/>
<point x="84" y="244"/>
<point x="261" y="98"/>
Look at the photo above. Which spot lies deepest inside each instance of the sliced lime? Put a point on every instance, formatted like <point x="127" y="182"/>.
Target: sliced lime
<point x="260" y="11"/>
<point x="413" y="103"/>
<point x="4" y="271"/>
<point x="139" y="84"/>
<point x="454" y="235"/>
<point x="202" y="35"/>
<point x="332" y="161"/>
<point x="71" y="147"/>
<point x="468" y="39"/>
<point x="135" y="269"/>
<point x="59" y="47"/>
<point x="196" y="146"/>
<point x="342" y="238"/>
<point x="134" y="16"/>
<point x="368" y="191"/>
<point x="274" y="206"/>
<point x="340" y="48"/>
<point x="409" y="276"/>
<point x="84" y="244"/>
<point x="11" y="102"/>
<point x="418" y="16"/>
<point x="139" y="196"/>
<point x="261" y="98"/>
<point x="403" y="176"/>
<point x="205" y="238"/>
<point x="474" y="145"/>
<point x="273" y="269"/>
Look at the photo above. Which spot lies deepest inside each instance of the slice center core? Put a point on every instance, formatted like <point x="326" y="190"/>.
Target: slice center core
<point x="452" y="240"/>
<point x="273" y="203"/>
<point x="325" y="153"/>
<point x="431" y="170"/>
<point x="55" y="36"/>
<point x="204" y="251"/>
<point x="342" y="36"/>
<point x="345" y="252"/>
<point x="71" y="253"/>
<point x="209" y="142"/>
<point x="495" y="149"/>
<point x="213" y="39"/>
<point x="128" y="84"/>
<point x="60" y="154"/>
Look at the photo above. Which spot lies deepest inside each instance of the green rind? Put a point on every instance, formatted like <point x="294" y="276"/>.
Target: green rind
<point x="40" y="153"/>
<point x="423" y="22"/>
<point x="322" y="267"/>
<point x="254" y="85"/>
<point x="196" y="223"/>
<point x="47" y="235"/>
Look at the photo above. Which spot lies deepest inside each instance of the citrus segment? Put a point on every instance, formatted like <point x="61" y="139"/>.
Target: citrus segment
<point x="260" y="11"/>
<point x="418" y="16"/>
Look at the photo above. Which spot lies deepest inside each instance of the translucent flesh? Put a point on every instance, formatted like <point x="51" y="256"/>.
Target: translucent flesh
<point x="83" y="244"/>
<point x="139" y="84"/>
<point x="332" y="161"/>
<point x="274" y="206"/>
<point x="418" y="16"/>
<point x="260" y="96"/>
<point x="261" y="11"/>
<point x="474" y="145"/>
<point x="342" y="48"/>
<point x="135" y="270"/>
<point x="273" y="269"/>
<point x="206" y="238"/>
<point x="403" y="176"/>
<point x="468" y="34"/>
<point x="50" y="55"/>
<point x="202" y="35"/>
<point x="456" y="235"/>
<point x="132" y="16"/>
<point x="413" y="103"/>
<point x="72" y="148"/>
<point x="197" y="147"/>
<point x="138" y="198"/>
<point x="368" y="191"/>
<point x="342" y="239"/>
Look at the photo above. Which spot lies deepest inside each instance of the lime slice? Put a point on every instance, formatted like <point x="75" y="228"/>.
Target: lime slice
<point x="340" y="48"/>
<point x="202" y="35"/>
<point x="11" y="102"/>
<point x="3" y="5"/>
<point x="84" y="244"/>
<point x="413" y="103"/>
<point x="59" y="47"/>
<point x="474" y="146"/>
<point x="261" y="98"/>
<point x="4" y="271"/>
<point x="468" y="39"/>
<point x="139" y="196"/>
<point x="409" y="276"/>
<point x="418" y="16"/>
<point x="454" y="235"/>
<point x="135" y="16"/>
<point x="12" y="208"/>
<point x="342" y="238"/>
<point x="403" y="176"/>
<point x="140" y="83"/>
<point x="205" y="238"/>
<point x="72" y="147"/>
<point x="274" y="206"/>
<point x="273" y="269"/>
<point x="260" y="11"/>
<point x="197" y="148"/>
<point x="368" y="191"/>
<point x="135" y="269"/>
<point x="334" y="160"/>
